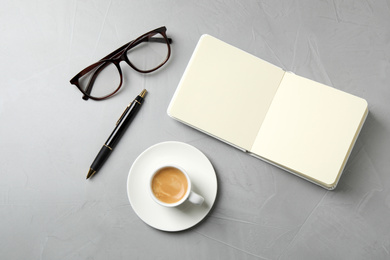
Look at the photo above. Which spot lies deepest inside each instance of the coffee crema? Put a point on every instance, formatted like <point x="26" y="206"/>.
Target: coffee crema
<point x="169" y="185"/>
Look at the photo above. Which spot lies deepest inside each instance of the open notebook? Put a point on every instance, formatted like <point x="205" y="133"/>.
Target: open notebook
<point x="300" y="125"/>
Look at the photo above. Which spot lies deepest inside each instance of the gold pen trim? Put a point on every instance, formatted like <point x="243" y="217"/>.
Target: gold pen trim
<point x="124" y="112"/>
<point x="143" y="93"/>
<point x="108" y="147"/>
<point x="91" y="172"/>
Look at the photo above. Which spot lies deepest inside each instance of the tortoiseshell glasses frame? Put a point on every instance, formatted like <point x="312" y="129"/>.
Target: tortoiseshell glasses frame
<point x="124" y="54"/>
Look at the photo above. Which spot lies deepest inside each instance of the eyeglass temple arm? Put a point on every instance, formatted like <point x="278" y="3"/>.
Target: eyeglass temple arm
<point x="113" y="55"/>
<point x="118" y="52"/>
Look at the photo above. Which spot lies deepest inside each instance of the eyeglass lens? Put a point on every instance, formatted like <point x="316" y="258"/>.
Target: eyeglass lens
<point x="149" y="54"/>
<point x="107" y="80"/>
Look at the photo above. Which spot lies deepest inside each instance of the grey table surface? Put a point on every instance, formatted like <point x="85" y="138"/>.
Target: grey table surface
<point x="49" y="135"/>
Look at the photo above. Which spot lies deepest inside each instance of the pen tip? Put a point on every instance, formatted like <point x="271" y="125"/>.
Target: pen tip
<point x="143" y="93"/>
<point x="91" y="172"/>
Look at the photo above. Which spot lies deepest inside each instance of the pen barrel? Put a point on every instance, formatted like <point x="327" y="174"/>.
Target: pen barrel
<point x="101" y="158"/>
<point x="124" y="122"/>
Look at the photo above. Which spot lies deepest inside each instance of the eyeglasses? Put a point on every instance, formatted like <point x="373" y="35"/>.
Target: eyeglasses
<point x="145" y="54"/>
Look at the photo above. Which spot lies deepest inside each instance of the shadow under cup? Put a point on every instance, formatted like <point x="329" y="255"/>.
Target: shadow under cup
<point x="170" y="186"/>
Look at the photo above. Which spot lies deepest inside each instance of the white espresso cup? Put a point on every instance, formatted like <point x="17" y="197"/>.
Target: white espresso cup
<point x="170" y="186"/>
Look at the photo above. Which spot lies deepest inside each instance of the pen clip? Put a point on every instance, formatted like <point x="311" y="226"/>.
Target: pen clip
<point x="124" y="112"/>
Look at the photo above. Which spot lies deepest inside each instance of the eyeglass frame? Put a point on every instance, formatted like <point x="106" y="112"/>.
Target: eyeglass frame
<point x="116" y="57"/>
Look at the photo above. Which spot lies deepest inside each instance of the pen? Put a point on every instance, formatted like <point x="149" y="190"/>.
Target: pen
<point x="121" y="126"/>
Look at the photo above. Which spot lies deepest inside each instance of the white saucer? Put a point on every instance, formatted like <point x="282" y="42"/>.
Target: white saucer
<point x="200" y="170"/>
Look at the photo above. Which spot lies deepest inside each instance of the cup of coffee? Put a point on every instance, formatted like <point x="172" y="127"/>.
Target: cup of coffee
<point x="170" y="186"/>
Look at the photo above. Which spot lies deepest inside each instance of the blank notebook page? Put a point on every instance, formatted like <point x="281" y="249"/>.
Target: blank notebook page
<point x="310" y="128"/>
<point x="225" y="92"/>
